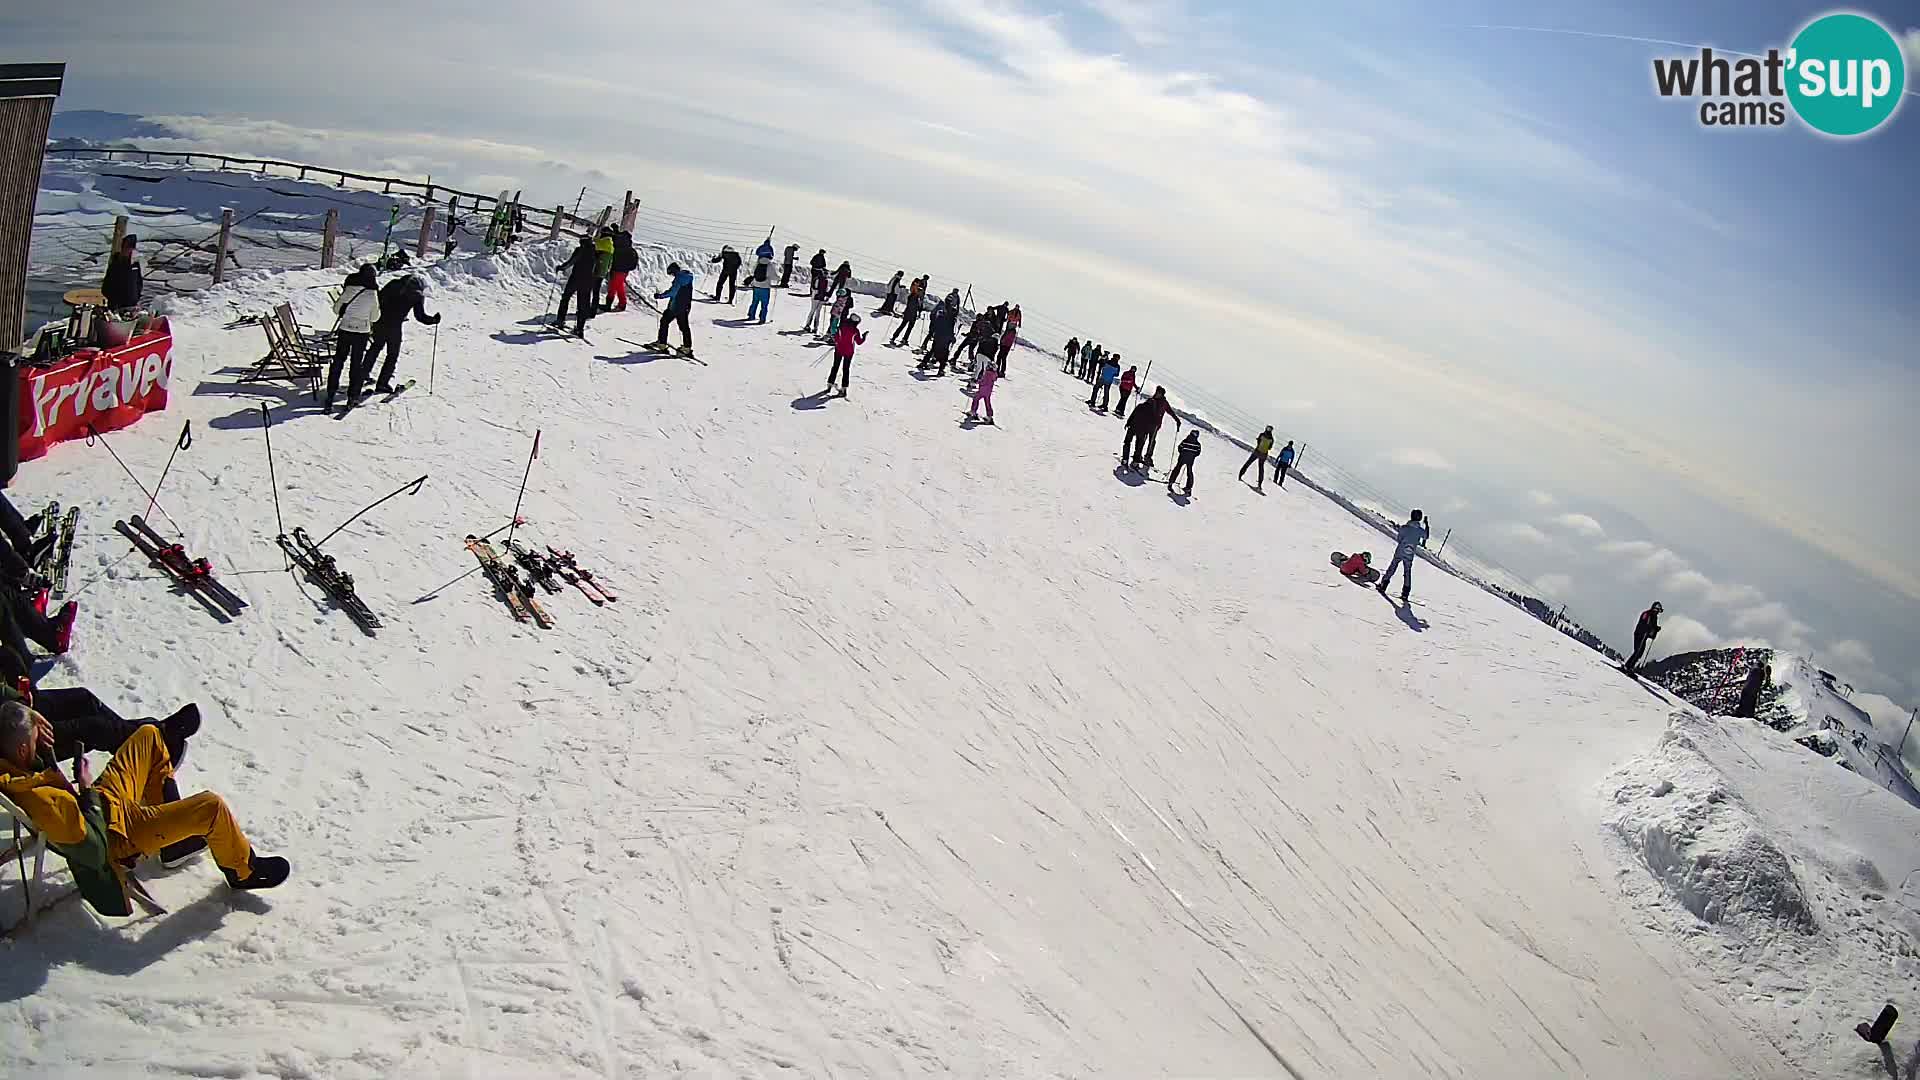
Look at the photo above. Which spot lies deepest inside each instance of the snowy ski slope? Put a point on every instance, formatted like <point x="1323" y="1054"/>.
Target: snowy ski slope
<point x="907" y="750"/>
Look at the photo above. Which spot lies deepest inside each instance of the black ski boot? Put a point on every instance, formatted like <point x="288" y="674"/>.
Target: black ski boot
<point x="265" y="872"/>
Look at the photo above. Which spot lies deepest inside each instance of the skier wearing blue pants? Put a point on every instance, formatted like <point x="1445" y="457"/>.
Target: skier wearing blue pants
<point x="1413" y="536"/>
<point x="762" y="281"/>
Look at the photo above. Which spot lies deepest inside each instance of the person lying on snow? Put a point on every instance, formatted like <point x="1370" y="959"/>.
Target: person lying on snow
<point x="101" y="825"/>
<point x="1356" y="565"/>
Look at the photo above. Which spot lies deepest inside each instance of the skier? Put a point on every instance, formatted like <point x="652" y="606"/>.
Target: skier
<point x="983" y="393"/>
<point x="844" y="343"/>
<point x="1286" y="462"/>
<point x="1357" y="565"/>
<point x="786" y="265"/>
<point x="1758" y="679"/>
<point x="125" y="280"/>
<point x="1127" y="382"/>
<point x="1189" y="451"/>
<point x="358" y="304"/>
<point x="1014" y="317"/>
<point x="1644" y="632"/>
<point x="1091" y="369"/>
<point x="819" y="301"/>
<point x="1413" y="536"/>
<point x="604" y="250"/>
<point x="625" y="261"/>
<point x="1262" y="446"/>
<point x="403" y="296"/>
<point x="581" y="286"/>
<point x="916" y="297"/>
<point x="729" y="262"/>
<point x="843" y="275"/>
<point x="941" y="339"/>
<point x="1073" y="354"/>
<point x="77" y="721"/>
<point x="893" y="293"/>
<point x="1007" y="338"/>
<point x="679" y="298"/>
<point x="837" y="314"/>
<point x="818" y="264"/>
<point x="96" y="824"/>
<point x="1103" y="387"/>
<point x="1143" y="430"/>
<point x="762" y="281"/>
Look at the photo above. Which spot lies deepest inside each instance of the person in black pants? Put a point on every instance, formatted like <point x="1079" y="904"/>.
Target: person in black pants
<point x="582" y="286"/>
<point x="729" y="261"/>
<point x="786" y="265"/>
<point x="403" y="296"/>
<point x="1644" y="631"/>
<point x="19" y="553"/>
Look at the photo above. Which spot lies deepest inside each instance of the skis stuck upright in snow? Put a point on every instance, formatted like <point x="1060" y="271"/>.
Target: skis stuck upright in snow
<point x="193" y="575"/>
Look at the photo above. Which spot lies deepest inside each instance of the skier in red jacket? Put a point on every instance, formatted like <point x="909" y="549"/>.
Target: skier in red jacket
<point x="843" y="346"/>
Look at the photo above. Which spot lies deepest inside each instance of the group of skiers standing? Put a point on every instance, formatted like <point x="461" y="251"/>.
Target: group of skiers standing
<point x="605" y="258"/>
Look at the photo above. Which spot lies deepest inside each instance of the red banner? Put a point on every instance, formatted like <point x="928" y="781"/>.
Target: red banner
<point x="104" y="389"/>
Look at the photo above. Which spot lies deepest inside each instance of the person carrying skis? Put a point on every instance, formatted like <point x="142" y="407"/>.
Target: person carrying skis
<point x="820" y="293"/>
<point x="1413" y="536"/>
<point x="786" y="265"/>
<point x="848" y="338"/>
<point x="983" y="393"/>
<point x="1189" y="452"/>
<point x="1644" y="632"/>
<point x="679" y="303"/>
<point x="403" y="296"/>
<point x="124" y="281"/>
<point x="893" y="294"/>
<point x="625" y="261"/>
<point x="98" y="824"/>
<point x="1285" y="463"/>
<point x="729" y="263"/>
<point x="359" y="303"/>
<point x="1128" y="381"/>
<point x="1073" y="354"/>
<point x="1143" y="430"/>
<point x="1103" y="387"/>
<point x="1262" y="446"/>
<point x="916" y="297"/>
<point x="580" y="287"/>
<point x="762" y="281"/>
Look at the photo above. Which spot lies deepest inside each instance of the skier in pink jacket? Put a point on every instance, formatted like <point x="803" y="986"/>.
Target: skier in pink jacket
<point x="983" y="393"/>
<point x="843" y="346"/>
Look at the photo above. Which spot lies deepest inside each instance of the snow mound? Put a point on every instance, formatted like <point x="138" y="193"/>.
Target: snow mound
<point x="1707" y="850"/>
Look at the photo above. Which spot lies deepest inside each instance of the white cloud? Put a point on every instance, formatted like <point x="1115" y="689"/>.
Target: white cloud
<point x="1580" y="523"/>
<point x="1454" y="504"/>
<point x="1679" y="634"/>
<point x="1554" y="585"/>
<point x="1688" y="581"/>
<point x="1540" y="498"/>
<point x="1778" y="624"/>
<point x="1521" y="532"/>
<point x="1852" y="655"/>
<point x="1420" y="458"/>
<point x="1659" y="561"/>
<point x="1732" y="594"/>
<point x="1628" y="547"/>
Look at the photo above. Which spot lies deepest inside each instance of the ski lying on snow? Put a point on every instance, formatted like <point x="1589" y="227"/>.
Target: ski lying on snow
<point x="323" y="570"/>
<point x="566" y="560"/>
<point x="194" y="575"/>
<point x="506" y="581"/>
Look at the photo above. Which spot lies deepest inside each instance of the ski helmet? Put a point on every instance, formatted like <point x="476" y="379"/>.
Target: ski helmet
<point x="852" y="319"/>
<point x="673" y="268"/>
<point x="1657" y="608"/>
<point x="1417" y="515"/>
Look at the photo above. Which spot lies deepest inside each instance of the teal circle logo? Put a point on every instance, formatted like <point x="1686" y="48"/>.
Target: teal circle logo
<point x="1846" y="74"/>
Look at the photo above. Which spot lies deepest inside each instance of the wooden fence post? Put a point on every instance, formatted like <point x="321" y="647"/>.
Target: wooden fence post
<point x="628" y="210"/>
<point x="559" y="215"/>
<point x="426" y="231"/>
<point x="119" y="232"/>
<point x="327" y="235"/>
<point x="226" y="237"/>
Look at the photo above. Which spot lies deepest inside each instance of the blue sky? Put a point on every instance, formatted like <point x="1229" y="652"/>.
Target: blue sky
<point x="1467" y="263"/>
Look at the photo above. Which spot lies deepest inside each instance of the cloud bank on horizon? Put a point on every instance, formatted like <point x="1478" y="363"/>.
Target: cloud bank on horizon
<point x="1486" y="262"/>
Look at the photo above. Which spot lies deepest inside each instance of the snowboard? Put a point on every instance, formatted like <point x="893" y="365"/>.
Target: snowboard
<point x="1366" y="577"/>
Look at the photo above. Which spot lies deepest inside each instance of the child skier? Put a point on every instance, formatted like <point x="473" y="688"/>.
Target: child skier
<point x="844" y="342"/>
<point x="983" y="393"/>
<point x="842" y="307"/>
<point x="1189" y="452"/>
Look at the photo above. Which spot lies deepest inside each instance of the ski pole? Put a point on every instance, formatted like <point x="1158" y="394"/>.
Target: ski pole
<point x="523" y="486"/>
<point x="433" y="360"/>
<point x="185" y="442"/>
<point x="94" y="433"/>
<point x="409" y="488"/>
<point x="266" y="429"/>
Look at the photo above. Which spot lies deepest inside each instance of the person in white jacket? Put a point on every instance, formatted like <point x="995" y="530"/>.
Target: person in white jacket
<point x="358" y="306"/>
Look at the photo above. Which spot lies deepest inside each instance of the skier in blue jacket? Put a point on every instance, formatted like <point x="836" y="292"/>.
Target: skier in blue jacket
<point x="1286" y="463"/>
<point x="1413" y="536"/>
<point x="1103" y="384"/>
<point x="679" y="298"/>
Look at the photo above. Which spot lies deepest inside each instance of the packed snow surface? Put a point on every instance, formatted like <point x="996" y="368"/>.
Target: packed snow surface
<point x="908" y="749"/>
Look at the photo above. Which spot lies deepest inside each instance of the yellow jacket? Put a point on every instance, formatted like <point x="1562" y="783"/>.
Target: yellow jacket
<point x="47" y="801"/>
<point x="1263" y="444"/>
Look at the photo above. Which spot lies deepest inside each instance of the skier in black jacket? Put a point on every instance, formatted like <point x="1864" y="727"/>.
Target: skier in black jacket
<point x="1644" y="631"/>
<point x="625" y="261"/>
<point x="819" y="265"/>
<point x="729" y="262"/>
<point x="403" y="296"/>
<point x="582" y="284"/>
<point x="786" y="265"/>
<point x="124" y="282"/>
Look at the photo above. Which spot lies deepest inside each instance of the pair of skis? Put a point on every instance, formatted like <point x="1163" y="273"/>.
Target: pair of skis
<point x="194" y="576"/>
<point x="321" y="567"/>
<point x="547" y="570"/>
<point x="507" y="583"/>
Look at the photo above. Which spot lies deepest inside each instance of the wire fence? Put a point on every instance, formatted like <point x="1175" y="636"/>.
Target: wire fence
<point x="278" y="223"/>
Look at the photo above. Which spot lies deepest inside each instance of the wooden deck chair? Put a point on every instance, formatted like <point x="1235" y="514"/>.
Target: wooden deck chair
<point x="283" y="361"/>
<point x="27" y="842"/>
<point x="317" y="343"/>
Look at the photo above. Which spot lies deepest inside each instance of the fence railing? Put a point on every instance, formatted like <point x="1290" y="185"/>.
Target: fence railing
<point x="193" y="255"/>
